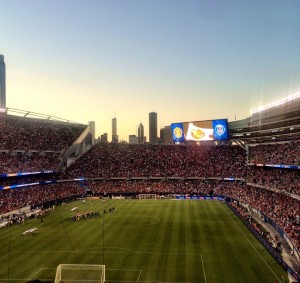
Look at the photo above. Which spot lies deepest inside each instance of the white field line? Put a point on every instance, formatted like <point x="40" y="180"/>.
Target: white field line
<point x="251" y="243"/>
<point x="26" y="280"/>
<point x="93" y="250"/>
<point x="123" y="269"/>
<point x="140" y="272"/>
<point x="31" y="276"/>
<point x="138" y="279"/>
<point x="203" y="269"/>
<point x="148" y="281"/>
<point x="47" y="279"/>
<point x="5" y="255"/>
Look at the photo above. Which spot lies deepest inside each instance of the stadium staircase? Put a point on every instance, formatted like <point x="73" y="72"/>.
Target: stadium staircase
<point x="78" y="148"/>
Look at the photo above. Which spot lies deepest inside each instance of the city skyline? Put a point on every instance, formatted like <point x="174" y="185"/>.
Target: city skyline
<point x="185" y="60"/>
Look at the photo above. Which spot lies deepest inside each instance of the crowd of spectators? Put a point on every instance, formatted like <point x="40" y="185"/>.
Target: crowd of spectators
<point x="284" y="210"/>
<point x="11" y="200"/>
<point x="160" y="187"/>
<point x="125" y="160"/>
<point x="272" y="240"/>
<point x="20" y="133"/>
<point x="276" y="153"/>
<point x="28" y="161"/>
<point x="286" y="180"/>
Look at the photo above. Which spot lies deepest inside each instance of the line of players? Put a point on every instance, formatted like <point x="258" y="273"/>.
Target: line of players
<point x="90" y="214"/>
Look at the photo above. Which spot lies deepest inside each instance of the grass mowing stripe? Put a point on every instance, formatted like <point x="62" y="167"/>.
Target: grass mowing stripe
<point x="194" y="239"/>
<point x="166" y="242"/>
<point x="149" y="261"/>
<point x="140" y="238"/>
<point x="180" y="221"/>
<point x="68" y="237"/>
<point x="250" y="242"/>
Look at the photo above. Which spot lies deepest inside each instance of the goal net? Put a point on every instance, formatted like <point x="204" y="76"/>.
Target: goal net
<point x="147" y="196"/>
<point x="80" y="273"/>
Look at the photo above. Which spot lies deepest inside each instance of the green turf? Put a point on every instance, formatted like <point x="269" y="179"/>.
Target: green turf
<point x="141" y="241"/>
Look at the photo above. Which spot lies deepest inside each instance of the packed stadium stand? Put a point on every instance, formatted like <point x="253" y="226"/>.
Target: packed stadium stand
<point x="258" y="167"/>
<point x="123" y="160"/>
<point x="11" y="200"/>
<point x="278" y="153"/>
<point x="34" y="142"/>
<point x="31" y="161"/>
<point x="24" y="133"/>
<point x="284" y="180"/>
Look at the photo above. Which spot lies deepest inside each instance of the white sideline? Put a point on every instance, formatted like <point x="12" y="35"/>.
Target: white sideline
<point x="251" y="244"/>
<point x="203" y="269"/>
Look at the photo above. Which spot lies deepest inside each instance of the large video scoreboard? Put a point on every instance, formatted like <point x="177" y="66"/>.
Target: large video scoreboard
<point x="208" y="130"/>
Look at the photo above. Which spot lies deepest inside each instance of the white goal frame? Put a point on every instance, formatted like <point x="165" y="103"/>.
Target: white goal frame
<point x="92" y="273"/>
<point x="147" y="196"/>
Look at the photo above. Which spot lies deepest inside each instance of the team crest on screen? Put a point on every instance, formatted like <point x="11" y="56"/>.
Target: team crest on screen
<point x="220" y="129"/>
<point x="177" y="132"/>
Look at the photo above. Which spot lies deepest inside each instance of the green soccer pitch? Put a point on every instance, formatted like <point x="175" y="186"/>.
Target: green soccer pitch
<point x="140" y="241"/>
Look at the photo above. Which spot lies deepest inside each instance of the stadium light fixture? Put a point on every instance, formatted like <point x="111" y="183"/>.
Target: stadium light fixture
<point x="276" y="103"/>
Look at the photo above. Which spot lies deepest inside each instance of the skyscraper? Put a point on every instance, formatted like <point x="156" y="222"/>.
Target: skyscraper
<point x="115" y="138"/>
<point x="133" y="139"/>
<point x="103" y="138"/>
<point x="166" y="135"/>
<point x="141" y="133"/>
<point x="2" y="83"/>
<point x="153" y="128"/>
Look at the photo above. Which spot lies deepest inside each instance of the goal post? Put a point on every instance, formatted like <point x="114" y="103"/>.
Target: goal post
<point x="76" y="273"/>
<point x="147" y="196"/>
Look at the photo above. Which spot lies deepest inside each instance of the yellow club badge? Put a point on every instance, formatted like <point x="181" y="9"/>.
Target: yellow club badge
<point x="177" y="132"/>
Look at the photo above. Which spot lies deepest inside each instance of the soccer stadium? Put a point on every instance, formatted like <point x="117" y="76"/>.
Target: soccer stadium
<point x="76" y="210"/>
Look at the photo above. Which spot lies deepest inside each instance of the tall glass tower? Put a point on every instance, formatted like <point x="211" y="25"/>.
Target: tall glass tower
<point x="2" y="83"/>
<point x="153" y="128"/>
<point x="115" y="138"/>
<point x="141" y="133"/>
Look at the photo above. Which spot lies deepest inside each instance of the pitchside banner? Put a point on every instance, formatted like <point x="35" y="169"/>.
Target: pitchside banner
<point x="200" y="130"/>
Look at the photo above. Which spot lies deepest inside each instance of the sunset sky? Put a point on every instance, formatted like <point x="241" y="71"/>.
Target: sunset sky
<point x="186" y="60"/>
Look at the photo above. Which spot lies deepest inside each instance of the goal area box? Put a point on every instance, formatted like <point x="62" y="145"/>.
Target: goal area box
<point x="80" y="273"/>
